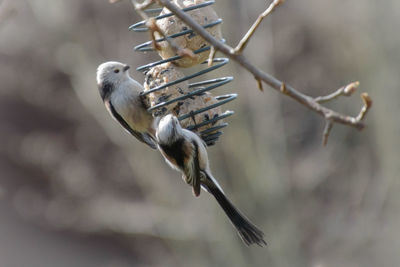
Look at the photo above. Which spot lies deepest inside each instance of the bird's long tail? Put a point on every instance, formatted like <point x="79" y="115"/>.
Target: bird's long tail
<point x="248" y="232"/>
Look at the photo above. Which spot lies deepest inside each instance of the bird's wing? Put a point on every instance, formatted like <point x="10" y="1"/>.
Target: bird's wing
<point x="143" y="137"/>
<point x="192" y="168"/>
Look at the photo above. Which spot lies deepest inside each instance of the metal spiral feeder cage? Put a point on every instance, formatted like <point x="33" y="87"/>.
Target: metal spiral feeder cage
<point x="210" y="135"/>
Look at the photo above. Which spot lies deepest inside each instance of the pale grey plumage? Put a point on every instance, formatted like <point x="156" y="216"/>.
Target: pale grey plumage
<point x="121" y="96"/>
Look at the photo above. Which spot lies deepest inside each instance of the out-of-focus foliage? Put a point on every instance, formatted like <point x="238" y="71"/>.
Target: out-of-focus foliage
<point x="76" y="190"/>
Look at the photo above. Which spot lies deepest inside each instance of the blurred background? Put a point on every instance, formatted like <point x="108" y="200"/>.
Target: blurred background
<point x="76" y="190"/>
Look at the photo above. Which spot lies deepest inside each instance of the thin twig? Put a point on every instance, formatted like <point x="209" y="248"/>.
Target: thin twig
<point x="283" y="88"/>
<point x="260" y="84"/>
<point x="276" y="84"/>
<point x="153" y="27"/>
<point x="347" y="90"/>
<point x="327" y="131"/>
<point x="243" y="43"/>
<point x="145" y="4"/>
<point x="366" y="107"/>
<point x="211" y="57"/>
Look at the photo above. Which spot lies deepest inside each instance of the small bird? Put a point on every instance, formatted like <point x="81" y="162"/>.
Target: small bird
<point x="185" y="151"/>
<point x="122" y="97"/>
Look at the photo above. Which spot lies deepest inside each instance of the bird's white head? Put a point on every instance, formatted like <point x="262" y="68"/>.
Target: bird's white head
<point x="110" y="75"/>
<point x="169" y="129"/>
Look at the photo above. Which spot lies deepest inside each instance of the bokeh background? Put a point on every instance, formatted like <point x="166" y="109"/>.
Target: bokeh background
<point x="76" y="190"/>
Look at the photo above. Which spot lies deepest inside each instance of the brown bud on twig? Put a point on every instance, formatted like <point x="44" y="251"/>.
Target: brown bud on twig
<point x="351" y="88"/>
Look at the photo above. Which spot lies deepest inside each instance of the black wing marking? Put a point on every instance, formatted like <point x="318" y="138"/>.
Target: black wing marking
<point x="143" y="137"/>
<point x="194" y="171"/>
<point x="175" y="153"/>
<point x="105" y="90"/>
<point x="184" y="156"/>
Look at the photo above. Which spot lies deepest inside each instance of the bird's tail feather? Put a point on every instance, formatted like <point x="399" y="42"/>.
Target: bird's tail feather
<point x="248" y="232"/>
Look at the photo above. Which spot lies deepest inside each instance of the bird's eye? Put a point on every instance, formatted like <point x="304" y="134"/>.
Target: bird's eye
<point x="116" y="71"/>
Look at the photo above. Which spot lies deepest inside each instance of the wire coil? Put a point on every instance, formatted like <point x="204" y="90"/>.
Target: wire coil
<point x="211" y="134"/>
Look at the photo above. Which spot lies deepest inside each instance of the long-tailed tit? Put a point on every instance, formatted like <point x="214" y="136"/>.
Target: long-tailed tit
<point x="185" y="151"/>
<point x="121" y="96"/>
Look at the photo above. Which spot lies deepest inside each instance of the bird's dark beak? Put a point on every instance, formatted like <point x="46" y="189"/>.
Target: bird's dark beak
<point x="125" y="68"/>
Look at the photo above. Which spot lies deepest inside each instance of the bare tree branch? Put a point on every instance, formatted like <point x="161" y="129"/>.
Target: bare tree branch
<point x="347" y="90"/>
<point x="327" y="131"/>
<point x="367" y="105"/>
<point x="308" y="101"/>
<point x="260" y="84"/>
<point x="211" y="56"/>
<point x="242" y="44"/>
